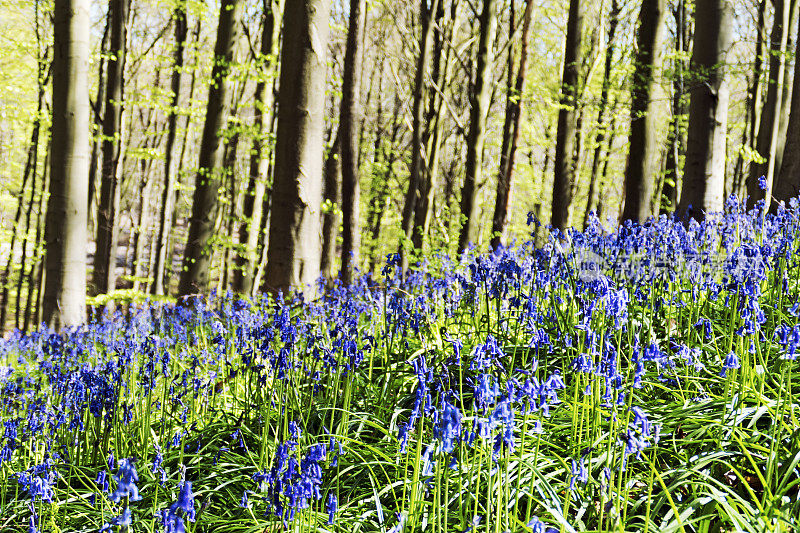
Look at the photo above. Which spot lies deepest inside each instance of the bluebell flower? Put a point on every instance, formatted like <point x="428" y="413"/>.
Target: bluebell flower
<point x="185" y="501"/>
<point x="126" y="482"/>
<point x="331" y="505"/>
<point x="731" y="363"/>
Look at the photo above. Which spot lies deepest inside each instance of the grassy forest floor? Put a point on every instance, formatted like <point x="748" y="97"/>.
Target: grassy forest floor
<point x="643" y="379"/>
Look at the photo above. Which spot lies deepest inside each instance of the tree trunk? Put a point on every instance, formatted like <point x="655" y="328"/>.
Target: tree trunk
<point x="97" y="122"/>
<point x="479" y="110"/>
<point x="641" y="168"/>
<point x="418" y="111"/>
<point x="166" y="209"/>
<point x="602" y="180"/>
<point x="349" y="118"/>
<point x="29" y="172"/>
<point x="704" y="173"/>
<point x="381" y="198"/>
<point x="64" y="302"/>
<point x="676" y="139"/>
<point x="564" y="170"/>
<point x="104" y="275"/>
<point x="249" y="229"/>
<point x="769" y="125"/>
<point x="599" y="140"/>
<point x="197" y="256"/>
<point x="787" y="184"/>
<point x="331" y="194"/>
<point x="293" y="257"/>
<point x="509" y="150"/>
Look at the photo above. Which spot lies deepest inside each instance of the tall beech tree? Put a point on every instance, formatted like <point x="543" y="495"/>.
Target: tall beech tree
<point x="416" y="168"/>
<point x="253" y="205"/>
<point x="769" y="129"/>
<point x="480" y="98"/>
<point x="349" y="118"/>
<point x="511" y="134"/>
<point x="197" y="256"/>
<point x="293" y="256"/>
<point x="676" y="138"/>
<point x="166" y="210"/>
<point x="593" y="196"/>
<point x="640" y="171"/>
<point x="564" y="171"/>
<point x="105" y="257"/>
<point x="64" y="300"/>
<point x="787" y="182"/>
<point x="704" y="170"/>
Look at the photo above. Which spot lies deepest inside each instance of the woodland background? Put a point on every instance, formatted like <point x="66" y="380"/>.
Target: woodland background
<point x="432" y="125"/>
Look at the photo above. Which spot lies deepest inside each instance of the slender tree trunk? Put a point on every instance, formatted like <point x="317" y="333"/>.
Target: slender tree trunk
<point x="65" y="226"/>
<point x="479" y="110"/>
<point x="104" y="275"/>
<point x="166" y="209"/>
<point x="418" y="111"/>
<point x="602" y="184"/>
<point x="769" y="125"/>
<point x="97" y="122"/>
<point x="197" y="256"/>
<point x="142" y="223"/>
<point x="441" y="76"/>
<point x="28" y="173"/>
<point x="349" y="117"/>
<point x="787" y="184"/>
<point x="389" y="156"/>
<point x="641" y="168"/>
<point x="564" y="170"/>
<point x="33" y="307"/>
<point x="28" y="212"/>
<point x="293" y="257"/>
<point x="753" y="98"/>
<point x="676" y="140"/>
<point x="249" y="229"/>
<point x="172" y="245"/>
<point x="509" y="150"/>
<point x="788" y="86"/>
<point x="331" y="194"/>
<point x="599" y="140"/>
<point x="704" y="174"/>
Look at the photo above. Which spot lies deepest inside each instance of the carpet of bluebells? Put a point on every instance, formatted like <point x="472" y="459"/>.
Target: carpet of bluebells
<point x="641" y="379"/>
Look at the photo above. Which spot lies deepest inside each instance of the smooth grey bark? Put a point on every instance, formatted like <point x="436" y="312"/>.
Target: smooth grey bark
<point x="293" y="256"/>
<point x="640" y="170"/>
<point x="770" y="120"/>
<point x="166" y="208"/>
<point x="349" y="117"/>
<point x="103" y="273"/>
<point x="252" y="209"/>
<point x="480" y="99"/>
<point x="64" y="300"/>
<point x="564" y="164"/>
<point x="511" y="135"/>
<point x="197" y="255"/>
<point x="704" y="171"/>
